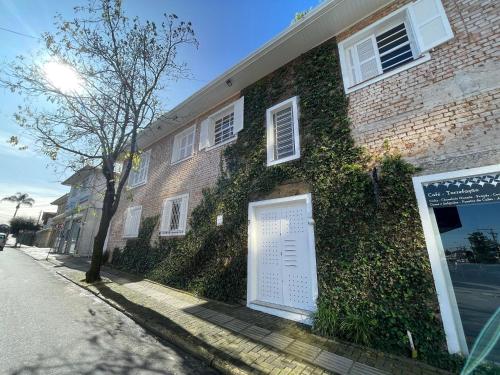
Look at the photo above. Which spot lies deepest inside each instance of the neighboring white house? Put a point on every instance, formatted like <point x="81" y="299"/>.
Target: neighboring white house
<point x="80" y="220"/>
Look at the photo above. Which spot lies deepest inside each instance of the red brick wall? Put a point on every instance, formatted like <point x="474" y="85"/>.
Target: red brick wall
<point x="442" y="114"/>
<point x="166" y="180"/>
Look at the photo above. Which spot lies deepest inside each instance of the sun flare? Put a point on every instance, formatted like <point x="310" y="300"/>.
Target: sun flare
<point x="63" y="77"/>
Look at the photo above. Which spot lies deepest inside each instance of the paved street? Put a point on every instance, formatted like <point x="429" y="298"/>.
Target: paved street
<point x="50" y="326"/>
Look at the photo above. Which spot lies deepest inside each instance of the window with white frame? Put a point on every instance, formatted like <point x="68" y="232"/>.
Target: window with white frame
<point x="223" y="129"/>
<point x="394" y="43"/>
<point x="139" y="174"/>
<point x="132" y="222"/>
<point x="174" y="215"/>
<point x="282" y="125"/>
<point x="183" y="145"/>
<point x="223" y="126"/>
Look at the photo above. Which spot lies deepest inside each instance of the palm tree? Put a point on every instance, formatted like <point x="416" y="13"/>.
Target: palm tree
<point x="21" y="199"/>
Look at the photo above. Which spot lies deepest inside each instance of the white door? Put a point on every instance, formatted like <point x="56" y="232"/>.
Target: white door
<point x="284" y="257"/>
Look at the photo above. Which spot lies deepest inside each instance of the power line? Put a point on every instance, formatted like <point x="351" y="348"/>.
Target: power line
<point x="18" y="33"/>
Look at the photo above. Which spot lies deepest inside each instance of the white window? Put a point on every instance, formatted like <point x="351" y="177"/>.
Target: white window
<point x="223" y="126"/>
<point x="394" y="43"/>
<point x="174" y="215"/>
<point x="282" y="124"/>
<point x="132" y="222"/>
<point x="183" y="145"/>
<point x="139" y="176"/>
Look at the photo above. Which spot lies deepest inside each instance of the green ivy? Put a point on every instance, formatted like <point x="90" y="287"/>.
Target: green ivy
<point x="139" y="256"/>
<point x="374" y="275"/>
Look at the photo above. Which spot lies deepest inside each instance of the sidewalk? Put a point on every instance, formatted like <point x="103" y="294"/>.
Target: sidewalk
<point x="231" y="338"/>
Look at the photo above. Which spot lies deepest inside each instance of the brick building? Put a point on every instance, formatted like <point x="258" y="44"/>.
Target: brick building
<point x="421" y="78"/>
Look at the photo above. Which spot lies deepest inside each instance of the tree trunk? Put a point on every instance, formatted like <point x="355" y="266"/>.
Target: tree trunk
<point x="94" y="273"/>
<point x="15" y="212"/>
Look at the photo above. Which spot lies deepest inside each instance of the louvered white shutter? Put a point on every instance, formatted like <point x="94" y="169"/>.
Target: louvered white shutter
<point x="190" y="142"/>
<point x="430" y="23"/>
<point x="353" y="66"/>
<point x="270" y="139"/>
<point x="175" y="150"/>
<point x="238" y="115"/>
<point x="143" y="170"/>
<point x="211" y="133"/>
<point x="132" y="177"/>
<point x="132" y="221"/>
<point x="183" y="214"/>
<point x="204" y="134"/>
<point x="136" y="221"/>
<point x="368" y="60"/>
<point x="166" y="216"/>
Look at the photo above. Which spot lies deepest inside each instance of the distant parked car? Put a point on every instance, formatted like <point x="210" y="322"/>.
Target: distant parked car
<point x="3" y="240"/>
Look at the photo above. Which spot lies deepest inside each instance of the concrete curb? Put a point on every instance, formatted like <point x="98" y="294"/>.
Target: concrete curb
<point x="216" y="359"/>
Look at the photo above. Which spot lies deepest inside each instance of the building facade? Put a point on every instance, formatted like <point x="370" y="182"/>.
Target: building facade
<point x="440" y="111"/>
<point x="421" y="80"/>
<point x="79" y="213"/>
<point x="57" y="222"/>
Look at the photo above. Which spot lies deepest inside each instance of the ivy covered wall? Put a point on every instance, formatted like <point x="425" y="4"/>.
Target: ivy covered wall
<point x="374" y="275"/>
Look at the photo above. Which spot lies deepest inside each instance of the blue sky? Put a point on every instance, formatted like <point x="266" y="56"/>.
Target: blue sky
<point x="226" y="30"/>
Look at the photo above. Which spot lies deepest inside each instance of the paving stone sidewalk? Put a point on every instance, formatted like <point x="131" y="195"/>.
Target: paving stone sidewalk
<point x="232" y="338"/>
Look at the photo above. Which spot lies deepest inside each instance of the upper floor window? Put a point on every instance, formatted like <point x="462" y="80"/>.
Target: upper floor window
<point x="183" y="145"/>
<point x="223" y="126"/>
<point x="87" y="184"/>
<point x="395" y="42"/>
<point x="139" y="174"/>
<point x="282" y="124"/>
<point x="174" y="215"/>
<point x="132" y="221"/>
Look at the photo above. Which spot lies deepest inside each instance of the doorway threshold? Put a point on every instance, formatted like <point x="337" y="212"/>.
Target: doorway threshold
<point x="287" y="312"/>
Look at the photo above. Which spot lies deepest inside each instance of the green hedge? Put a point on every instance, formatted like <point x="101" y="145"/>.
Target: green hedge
<point x="373" y="271"/>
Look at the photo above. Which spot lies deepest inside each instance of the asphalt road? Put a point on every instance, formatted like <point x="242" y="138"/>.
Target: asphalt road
<point x="50" y="326"/>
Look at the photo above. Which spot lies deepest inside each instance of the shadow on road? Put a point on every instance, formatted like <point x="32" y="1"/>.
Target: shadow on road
<point x="111" y="347"/>
<point x="98" y="340"/>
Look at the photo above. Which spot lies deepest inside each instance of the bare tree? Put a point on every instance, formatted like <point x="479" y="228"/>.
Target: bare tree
<point x="100" y="74"/>
<point x="20" y="199"/>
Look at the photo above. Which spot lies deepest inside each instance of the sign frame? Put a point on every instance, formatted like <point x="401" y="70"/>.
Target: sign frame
<point x="452" y="324"/>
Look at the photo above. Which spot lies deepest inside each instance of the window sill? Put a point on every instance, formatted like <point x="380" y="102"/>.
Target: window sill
<point x="232" y="139"/>
<point x="424" y="58"/>
<point x="137" y="185"/>
<point x="284" y="160"/>
<point x="181" y="160"/>
<point x="172" y="234"/>
<point x="130" y="237"/>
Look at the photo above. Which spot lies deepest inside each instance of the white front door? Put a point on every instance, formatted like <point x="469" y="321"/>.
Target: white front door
<point x="282" y="254"/>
